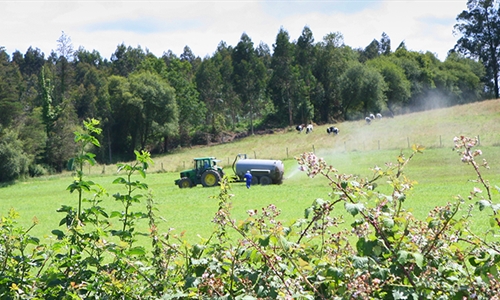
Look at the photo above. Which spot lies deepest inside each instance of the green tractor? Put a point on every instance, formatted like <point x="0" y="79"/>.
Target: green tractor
<point x="206" y="172"/>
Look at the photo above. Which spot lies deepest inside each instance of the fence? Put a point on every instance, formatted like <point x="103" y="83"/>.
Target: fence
<point x="172" y="163"/>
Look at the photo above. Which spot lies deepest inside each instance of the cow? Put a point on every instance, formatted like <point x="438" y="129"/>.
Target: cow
<point x="309" y="128"/>
<point x="300" y="127"/>
<point x="333" y="130"/>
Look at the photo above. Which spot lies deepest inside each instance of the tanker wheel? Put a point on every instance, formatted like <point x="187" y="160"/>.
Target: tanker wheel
<point x="210" y="178"/>
<point x="185" y="183"/>
<point x="255" y="180"/>
<point x="265" y="180"/>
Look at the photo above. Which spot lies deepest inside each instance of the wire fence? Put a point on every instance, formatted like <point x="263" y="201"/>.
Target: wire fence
<point x="289" y="152"/>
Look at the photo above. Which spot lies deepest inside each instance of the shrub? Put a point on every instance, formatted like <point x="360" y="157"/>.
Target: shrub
<point x="13" y="161"/>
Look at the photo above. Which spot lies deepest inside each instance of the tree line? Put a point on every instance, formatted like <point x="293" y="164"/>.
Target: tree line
<point x="145" y="102"/>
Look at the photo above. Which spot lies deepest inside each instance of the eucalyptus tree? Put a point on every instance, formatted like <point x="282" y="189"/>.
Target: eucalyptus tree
<point x="209" y="84"/>
<point x="59" y="120"/>
<point x="479" y="27"/>
<point x="370" y="52"/>
<point x="284" y="81"/>
<point x="189" y="56"/>
<point x="305" y="57"/>
<point x="362" y="88"/>
<point x="90" y="96"/>
<point x="229" y="98"/>
<point x="190" y="109"/>
<point x="460" y="79"/>
<point x="30" y="63"/>
<point x="63" y="68"/>
<point x="11" y="86"/>
<point x="158" y="105"/>
<point x="143" y="104"/>
<point x="385" y="44"/>
<point x="418" y="69"/>
<point x="93" y="58"/>
<point x="249" y="78"/>
<point x="398" y="86"/>
<point x="126" y="60"/>
<point x="333" y="58"/>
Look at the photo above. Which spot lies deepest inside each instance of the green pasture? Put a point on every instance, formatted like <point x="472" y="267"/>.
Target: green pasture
<point x="439" y="172"/>
<point x="358" y="148"/>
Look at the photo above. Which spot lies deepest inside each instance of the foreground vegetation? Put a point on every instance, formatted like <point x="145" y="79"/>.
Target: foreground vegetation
<point x="387" y="253"/>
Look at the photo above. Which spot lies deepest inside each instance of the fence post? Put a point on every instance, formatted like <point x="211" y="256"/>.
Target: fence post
<point x="287" y="152"/>
<point x="378" y="144"/>
<point x="345" y="147"/>
<point x="314" y="151"/>
<point x="478" y="141"/>
<point x="408" y="139"/>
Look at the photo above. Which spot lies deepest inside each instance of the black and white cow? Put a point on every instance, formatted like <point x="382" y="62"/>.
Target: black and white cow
<point x="300" y="127"/>
<point x="333" y="130"/>
<point x="309" y="128"/>
<point x="368" y="120"/>
<point x="379" y="116"/>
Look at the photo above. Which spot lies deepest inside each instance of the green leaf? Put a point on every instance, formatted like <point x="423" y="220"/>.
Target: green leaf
<point x="360" y="262"/>
<point x="264" y="242"/>
<point x="33" y="240"/>
<point x="136" y="251"/>
<point x="483" y="204"/>
<point x="419" y="259"/>
<point x="493" y="222"/>
<point x="354" y="208"/>
<point x="119" y="180"/>
<point x="115" y="214"/>
<point x="307" y="212"/>
<point x="402" y="257"/>
<point x="388" y="223"/>
<point x="58" y="233"/>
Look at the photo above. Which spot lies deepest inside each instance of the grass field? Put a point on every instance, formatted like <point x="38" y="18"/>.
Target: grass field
<point x="358" y="147"/>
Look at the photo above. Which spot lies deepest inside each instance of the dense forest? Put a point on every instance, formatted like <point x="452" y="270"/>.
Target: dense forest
<point x="164" y="103"/>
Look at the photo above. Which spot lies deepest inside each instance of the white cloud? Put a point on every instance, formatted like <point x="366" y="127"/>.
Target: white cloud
<point x="170" y="25"/>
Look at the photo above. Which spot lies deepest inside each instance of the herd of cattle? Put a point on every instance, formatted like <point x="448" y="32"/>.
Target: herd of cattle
<point x="372" y="117"/>
<point x="333" y="129"/>
<point x="309" y="129"/>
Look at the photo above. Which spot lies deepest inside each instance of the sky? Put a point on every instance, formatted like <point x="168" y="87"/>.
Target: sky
<point x="163" y="25"/>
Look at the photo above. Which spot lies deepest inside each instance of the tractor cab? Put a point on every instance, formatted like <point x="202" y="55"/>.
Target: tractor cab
<point x="205" y="172"/>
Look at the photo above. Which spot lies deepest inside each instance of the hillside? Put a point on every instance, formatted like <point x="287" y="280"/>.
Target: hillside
<point x="435" y="128"/>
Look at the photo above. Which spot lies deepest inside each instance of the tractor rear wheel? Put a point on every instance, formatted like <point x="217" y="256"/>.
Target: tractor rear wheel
<point x="185" y="183"/>
<point x="210" y="178"/>
<point x="265" y="180"/>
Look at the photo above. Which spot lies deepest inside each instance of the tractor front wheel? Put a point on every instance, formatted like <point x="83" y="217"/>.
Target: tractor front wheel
<point x="210" y="178"/>
<point x="185" y="183"/>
